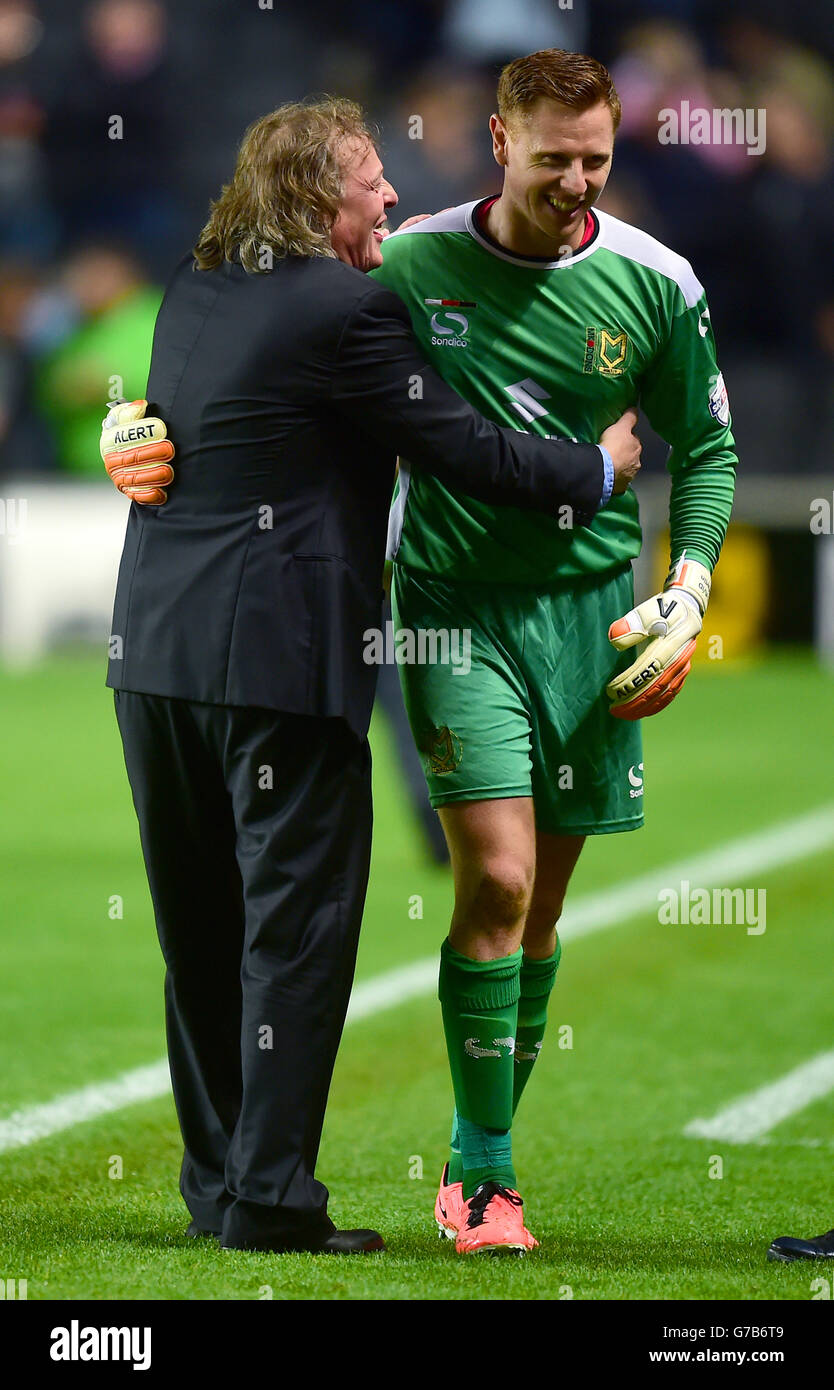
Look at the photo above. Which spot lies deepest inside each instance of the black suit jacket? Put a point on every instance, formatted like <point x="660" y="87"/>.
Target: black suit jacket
<point x="288" y="396"/>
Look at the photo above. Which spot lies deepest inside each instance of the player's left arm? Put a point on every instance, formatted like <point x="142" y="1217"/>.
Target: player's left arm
<point x="685" y="400"/>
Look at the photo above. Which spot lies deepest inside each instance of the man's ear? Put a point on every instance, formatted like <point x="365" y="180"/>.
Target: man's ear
<point x="499" y="140"/>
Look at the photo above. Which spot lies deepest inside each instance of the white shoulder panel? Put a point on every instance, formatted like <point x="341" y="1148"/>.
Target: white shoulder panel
<point x="452" y="220"/>
<point x="628" y="241"/>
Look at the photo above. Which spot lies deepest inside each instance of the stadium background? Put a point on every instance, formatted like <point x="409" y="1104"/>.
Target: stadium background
<point x="669" y="1024"/>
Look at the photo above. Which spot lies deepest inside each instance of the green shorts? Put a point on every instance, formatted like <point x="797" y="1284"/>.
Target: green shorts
<point x="506" y="697"/>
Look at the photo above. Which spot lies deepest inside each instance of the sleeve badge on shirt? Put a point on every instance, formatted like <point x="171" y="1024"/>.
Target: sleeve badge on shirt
<point x="719" y="401"/>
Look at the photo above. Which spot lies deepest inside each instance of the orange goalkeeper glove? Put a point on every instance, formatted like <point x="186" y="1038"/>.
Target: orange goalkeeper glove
<point x="137" y="452"/>
<point x="671" y="622"/>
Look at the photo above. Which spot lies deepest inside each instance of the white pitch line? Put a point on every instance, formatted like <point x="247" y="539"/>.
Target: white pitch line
<point x="764" y="851"/>
<point x="753" y="1115"/>
<point x="773" y="848"/>
<point x="393" y="987"/>
<point x="99" y="1098"/>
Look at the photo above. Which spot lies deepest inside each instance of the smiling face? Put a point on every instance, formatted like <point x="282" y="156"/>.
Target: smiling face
<point x="556" y="162"/>
<point x="359" y="230"/>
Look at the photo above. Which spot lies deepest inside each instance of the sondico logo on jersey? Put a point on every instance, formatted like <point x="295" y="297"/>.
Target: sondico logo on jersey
<point x="449" y="326"/>
<point x="635" y="778"/>
<point x="606" y="351"/>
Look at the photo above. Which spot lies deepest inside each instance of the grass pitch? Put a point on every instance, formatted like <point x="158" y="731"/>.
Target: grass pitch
<point x="668" y="1023"/>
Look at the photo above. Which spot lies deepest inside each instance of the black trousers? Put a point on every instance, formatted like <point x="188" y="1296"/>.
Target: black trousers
<point x="256" y="833"/>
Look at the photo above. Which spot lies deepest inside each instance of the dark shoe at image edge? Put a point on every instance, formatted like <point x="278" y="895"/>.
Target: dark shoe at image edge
<point x="789" y="1248"/>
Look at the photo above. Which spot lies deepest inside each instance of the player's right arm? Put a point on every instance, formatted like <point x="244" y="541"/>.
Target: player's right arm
<point x="382" y="384"/>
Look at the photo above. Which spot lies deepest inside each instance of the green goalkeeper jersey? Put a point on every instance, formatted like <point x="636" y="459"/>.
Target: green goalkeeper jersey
<point x="560" y="348"/>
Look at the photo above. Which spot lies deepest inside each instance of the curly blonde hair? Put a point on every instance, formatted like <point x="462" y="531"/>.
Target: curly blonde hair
<point x="287" y="186"/>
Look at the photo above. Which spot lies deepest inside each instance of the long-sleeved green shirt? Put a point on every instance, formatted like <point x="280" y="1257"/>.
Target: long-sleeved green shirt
<point x="561" y="348"/>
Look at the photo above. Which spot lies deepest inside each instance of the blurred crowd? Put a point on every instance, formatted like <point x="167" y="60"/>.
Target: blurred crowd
<point x="119" y="120"/>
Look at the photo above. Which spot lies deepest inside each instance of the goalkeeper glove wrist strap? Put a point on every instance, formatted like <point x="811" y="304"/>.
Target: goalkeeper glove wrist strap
<point x="693" y="578"/>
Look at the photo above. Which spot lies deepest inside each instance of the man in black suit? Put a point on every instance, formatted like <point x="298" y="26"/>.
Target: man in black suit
<point x="290" y="381"/>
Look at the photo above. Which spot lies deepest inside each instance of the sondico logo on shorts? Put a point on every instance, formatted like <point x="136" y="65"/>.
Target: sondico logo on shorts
<point x="635" y="777"/>
<point x="449" y="327"/>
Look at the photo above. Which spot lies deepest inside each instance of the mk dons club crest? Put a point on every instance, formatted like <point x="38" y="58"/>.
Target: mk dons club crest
<point x="443" y="749"/>
<point x="606" y="351"/>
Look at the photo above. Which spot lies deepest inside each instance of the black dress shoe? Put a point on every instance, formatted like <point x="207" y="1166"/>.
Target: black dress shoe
<point x="352" y="1243"/>
<point x="196" y="1232"/>
<point x="360" y="1242"/>
<point x="818" y="1248"/>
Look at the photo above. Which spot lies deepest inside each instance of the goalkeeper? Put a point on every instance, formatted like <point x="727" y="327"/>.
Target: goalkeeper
<point x="548" y="315"/>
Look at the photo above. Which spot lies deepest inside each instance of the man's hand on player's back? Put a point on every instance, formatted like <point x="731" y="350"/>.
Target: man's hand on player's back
<point x="624" y="447"/>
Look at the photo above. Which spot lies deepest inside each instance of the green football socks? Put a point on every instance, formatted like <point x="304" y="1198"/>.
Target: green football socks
<point x="479" y="1003"/>
<point x="455" y="1161"/>
<point x="536" y="980"/>
<point x="489" y="1150"/>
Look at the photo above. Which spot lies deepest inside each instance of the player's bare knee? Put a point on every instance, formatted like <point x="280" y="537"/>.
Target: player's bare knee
<point x="501" y="894"/>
